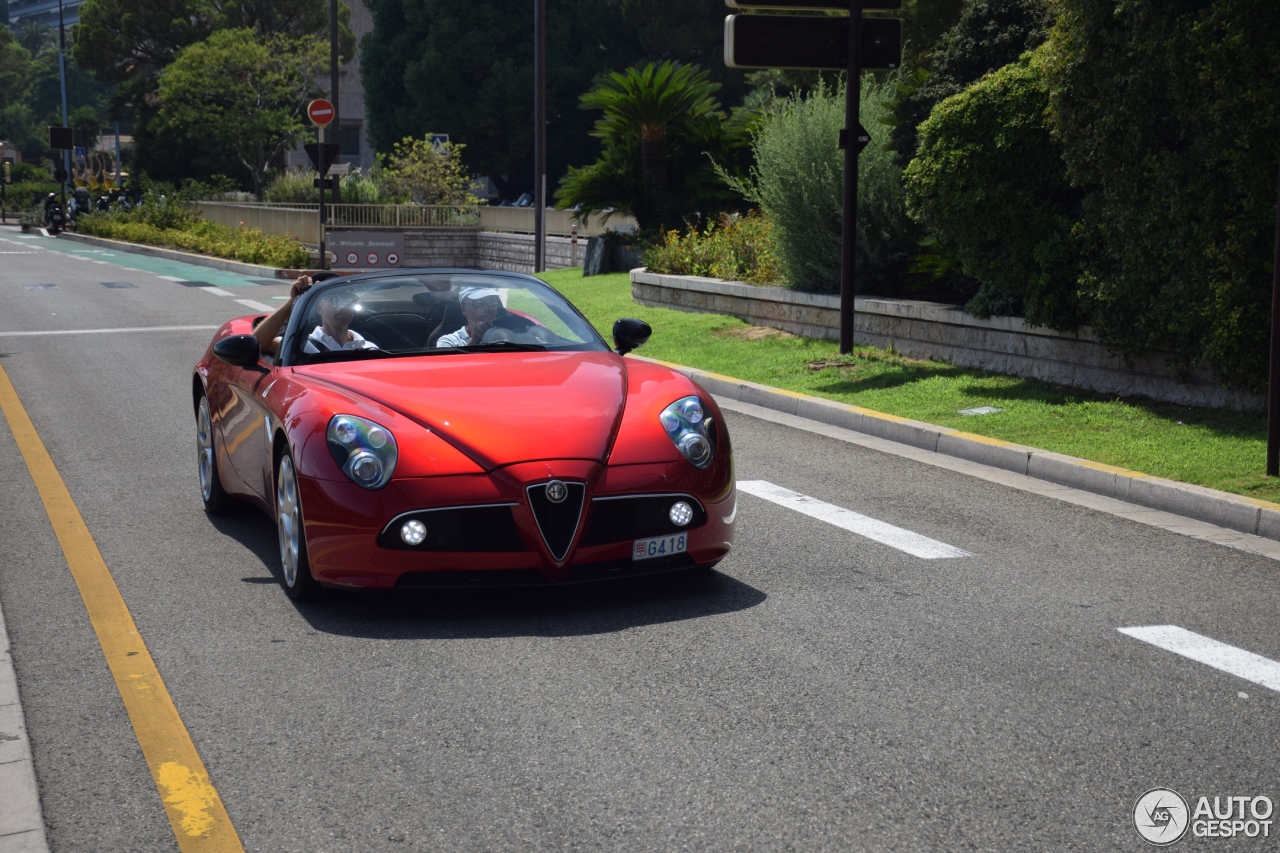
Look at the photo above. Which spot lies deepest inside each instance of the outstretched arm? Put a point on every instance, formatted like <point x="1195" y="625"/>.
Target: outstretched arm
<point x="268" y="329"/>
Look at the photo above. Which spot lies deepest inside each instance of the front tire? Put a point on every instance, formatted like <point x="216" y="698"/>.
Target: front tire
<point x="295" y="568"/>
<point x="216" y="500"/>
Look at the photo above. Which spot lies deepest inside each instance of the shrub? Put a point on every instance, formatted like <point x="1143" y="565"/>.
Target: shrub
<point x="198" y="235"/>
<point x="990" y="184"/>
<point x="1167" y="116"/>
<point x="798" y="181"/>
<point x="733" y="248"/>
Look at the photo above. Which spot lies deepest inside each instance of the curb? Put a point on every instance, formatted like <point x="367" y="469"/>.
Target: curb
<point x="197" y="260"/>
<point x="21" y="820"/>
<point x="1235" y="512"/>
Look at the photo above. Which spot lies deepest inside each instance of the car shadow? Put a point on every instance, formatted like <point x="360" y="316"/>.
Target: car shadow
<point x="447" y="614"/>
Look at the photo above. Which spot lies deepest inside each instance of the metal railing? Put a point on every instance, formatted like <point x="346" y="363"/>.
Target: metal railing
<point x="300" y="220"/>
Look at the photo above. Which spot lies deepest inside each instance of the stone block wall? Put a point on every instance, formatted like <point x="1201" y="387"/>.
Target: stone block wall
<point x="931" y="330"/>
<point x="488" y="250"/>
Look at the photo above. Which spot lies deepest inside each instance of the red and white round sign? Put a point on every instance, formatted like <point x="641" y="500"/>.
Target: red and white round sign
<point x="393" y="258"/>
<point x="372" y="259"/>
<point x="353" y="258"/>
<point x="320" y="112"/>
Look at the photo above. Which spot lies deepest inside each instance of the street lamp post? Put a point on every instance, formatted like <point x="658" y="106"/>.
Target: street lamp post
<point x="539" y="135"/>
<point x="62" y="71"/>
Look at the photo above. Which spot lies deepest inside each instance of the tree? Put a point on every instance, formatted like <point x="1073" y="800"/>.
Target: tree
<point x="645" y="102"/>
<point x="244" y="94"/>
<point x="425" y="175"/>
<point x="15" y="69"/>
<point x="663" y="132"/>
<point x="1166" y="113"/>
<point x="989" y="182"/>
<point x="466" y="68"/>
<point x="989" y="35"/>
<point x="35" y="36"/>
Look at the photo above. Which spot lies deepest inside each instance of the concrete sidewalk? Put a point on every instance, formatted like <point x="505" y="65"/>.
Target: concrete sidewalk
<point x="21" y="821"/>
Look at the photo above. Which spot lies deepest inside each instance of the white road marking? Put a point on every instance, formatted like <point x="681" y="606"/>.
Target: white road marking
<point x="256" y="306"/>
<point x="106" y="331"/>
<point x="877" y="531"/>
<point x="216" y="291"/>
<point x="170" y="278"/>
<point x="1206" y="650"/>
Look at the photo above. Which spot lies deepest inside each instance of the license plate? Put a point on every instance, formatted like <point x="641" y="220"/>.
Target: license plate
<point x="662" y="546"/>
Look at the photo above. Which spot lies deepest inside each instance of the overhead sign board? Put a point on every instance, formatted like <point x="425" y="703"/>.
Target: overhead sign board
<point x="320" y="112"/>
<point x="822" y="44"/>
<point x="61" y="138"/>
<point x="365" y="249"/>
<point x="813" y="5"/>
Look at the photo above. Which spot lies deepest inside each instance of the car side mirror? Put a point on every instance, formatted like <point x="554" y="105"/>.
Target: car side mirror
<point x="238" y="350"/>
<point x="629" y="333"/>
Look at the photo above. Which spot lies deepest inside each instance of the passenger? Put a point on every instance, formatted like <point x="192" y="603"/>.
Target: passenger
<point x="481" y="306"/>
<point x="337" y="309"/>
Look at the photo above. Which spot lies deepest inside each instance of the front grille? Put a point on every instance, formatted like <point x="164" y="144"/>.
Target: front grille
<point x="590" y="573"/>
<point x="465" y="528"/>
<point x="557" y="522"/>
<point x="638" y="517"/>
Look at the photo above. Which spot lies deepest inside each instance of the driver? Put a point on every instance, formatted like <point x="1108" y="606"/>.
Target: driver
<point x="481" y="306"/>
<point x="337" y="309"/>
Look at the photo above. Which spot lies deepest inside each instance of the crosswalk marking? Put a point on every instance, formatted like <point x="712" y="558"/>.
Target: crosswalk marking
<point x="862" y="525"/>
<point x="1206" y="650"/>
<point x="256" y="306"/>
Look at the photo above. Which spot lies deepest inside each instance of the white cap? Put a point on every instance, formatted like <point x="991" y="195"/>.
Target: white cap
<point x="478" y="293"/>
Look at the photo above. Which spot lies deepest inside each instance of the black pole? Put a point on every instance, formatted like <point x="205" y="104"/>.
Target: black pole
<point x="322" y="138"/>
<point x="62" y="71"/>
<point x="539" y="135"/>
<point x="852" y="147"/>
<point x="1273" y="381"/>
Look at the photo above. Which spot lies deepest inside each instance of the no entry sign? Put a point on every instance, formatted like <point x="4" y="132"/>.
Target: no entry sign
<point x="320" y="112"/>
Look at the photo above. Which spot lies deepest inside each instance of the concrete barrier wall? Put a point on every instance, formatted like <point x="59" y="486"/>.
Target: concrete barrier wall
<point x="930" y="330"/>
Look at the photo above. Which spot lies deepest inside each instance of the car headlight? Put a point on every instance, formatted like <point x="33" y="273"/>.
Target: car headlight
<point x="365" y="451"/>
<point x="690" y="430"/>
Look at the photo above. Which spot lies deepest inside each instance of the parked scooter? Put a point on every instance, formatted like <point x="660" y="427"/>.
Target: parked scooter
<point x="81" y="204"/>
<point x="54" y="218"/>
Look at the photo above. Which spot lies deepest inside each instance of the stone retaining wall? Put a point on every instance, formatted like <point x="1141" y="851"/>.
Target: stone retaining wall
<point x="931" y="330"/>
<point x="489" y="250"/>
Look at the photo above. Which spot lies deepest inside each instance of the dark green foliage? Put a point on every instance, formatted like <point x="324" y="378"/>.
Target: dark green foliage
<point x="663" y="131"/>
<point x="1168" y="114"/>
<point x="989" y="182"/>
<point x="466" y="69"/>
<point x="989" y="35"/>
<point x="127" y="43"/>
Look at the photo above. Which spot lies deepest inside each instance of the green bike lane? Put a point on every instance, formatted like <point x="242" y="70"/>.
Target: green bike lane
<point x="12" y="241"/>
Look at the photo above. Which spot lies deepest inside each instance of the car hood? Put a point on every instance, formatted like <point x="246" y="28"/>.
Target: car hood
<point x="499" y="408"/>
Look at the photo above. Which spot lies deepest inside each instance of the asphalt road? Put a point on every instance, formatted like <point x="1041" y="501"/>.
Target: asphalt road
<point x="819" y="691"/>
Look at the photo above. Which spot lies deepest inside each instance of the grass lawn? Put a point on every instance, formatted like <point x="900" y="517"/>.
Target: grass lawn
<point x="1220" y="449"/>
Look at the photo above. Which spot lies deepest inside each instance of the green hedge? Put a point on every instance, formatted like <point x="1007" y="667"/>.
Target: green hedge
<point x="203" y="237"/>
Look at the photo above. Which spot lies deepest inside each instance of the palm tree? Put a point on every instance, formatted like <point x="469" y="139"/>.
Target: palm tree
<point x="34" y="36"/>
<point x="647" y="102"/>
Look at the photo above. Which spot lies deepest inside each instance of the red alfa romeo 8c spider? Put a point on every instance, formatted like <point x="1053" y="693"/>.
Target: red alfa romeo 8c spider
<point x="430" y="428"/>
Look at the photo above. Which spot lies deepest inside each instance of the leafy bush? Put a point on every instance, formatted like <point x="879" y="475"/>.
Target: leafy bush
<point x="989" y="35"/>
<point x="426" y="174"/>
<point x="798" y="180"/>
<point x="200" y="236"/>
<point x="733" y="248"/>
<point x="19" y="195"/>
<point x="1167" y="116"/>
<point x="990" y="183"/>
<point x="292" y="186"/>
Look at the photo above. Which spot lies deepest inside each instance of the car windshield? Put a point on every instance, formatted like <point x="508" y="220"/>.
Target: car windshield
<point x="438" y="314"/>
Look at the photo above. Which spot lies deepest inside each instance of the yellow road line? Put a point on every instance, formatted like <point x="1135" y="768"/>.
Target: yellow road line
<point x="195" y="810"/>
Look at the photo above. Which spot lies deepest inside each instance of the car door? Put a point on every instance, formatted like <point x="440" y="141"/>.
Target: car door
<point x="246" y="427"/>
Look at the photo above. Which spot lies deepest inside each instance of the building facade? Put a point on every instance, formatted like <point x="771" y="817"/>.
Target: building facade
<point x="44" y="11"/>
